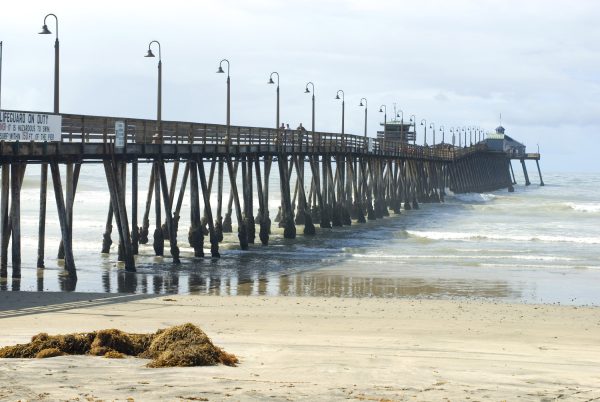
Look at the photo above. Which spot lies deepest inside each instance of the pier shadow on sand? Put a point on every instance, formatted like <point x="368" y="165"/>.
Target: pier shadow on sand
<point x="16" y="304"/>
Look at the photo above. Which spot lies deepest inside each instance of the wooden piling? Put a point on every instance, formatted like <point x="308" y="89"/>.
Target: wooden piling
<point x="64" y="223"/>
<point x="262" y="215"/>
<point x="146" y="219"/>
<point x="135" y="233"/>
<point x="527" y="182"/>
<point x="72" y="178"/>
<point x="42" y="216"/>
<point x="309" y="227"/>
<point x="214" y="241"/>
<point x="537" y="162"/>
<point x="106" y="239"/>
<point x="4" y="221"/>
<point x="116" y="188"/>
<point x="168" y="214"/>
<point x="17" y="170"/>
<point x="242" y="230"/>
<point x="159" y="242"/>
<point x="289" y="228"/>
<point x="195" y="234"/>
<point x="177" y="211"/>
<point x="512" y="172"/>
<point x="220" y="226"/>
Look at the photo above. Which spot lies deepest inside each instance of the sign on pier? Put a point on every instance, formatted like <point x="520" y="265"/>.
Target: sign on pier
<point x="119" y="134"/>
<point x="25" y="126"/>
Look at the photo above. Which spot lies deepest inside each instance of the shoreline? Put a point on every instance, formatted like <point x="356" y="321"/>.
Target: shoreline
<point x="307" y="348"/>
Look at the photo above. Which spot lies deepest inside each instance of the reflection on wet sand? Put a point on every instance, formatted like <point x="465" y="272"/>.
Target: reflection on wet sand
<point x="352" y="286"/>
<point x="260" y="283"/>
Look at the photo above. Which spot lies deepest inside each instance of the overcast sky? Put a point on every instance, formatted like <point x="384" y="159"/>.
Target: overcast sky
<point x="454" y="63"/>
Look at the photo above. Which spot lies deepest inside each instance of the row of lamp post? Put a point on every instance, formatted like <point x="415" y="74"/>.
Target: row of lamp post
<point x="474" y="132"/>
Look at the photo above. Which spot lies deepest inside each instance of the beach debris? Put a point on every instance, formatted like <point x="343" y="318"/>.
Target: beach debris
<point x="49" y="352"/>
<point x="112" y="354"/>
<point x="179" y="346"/>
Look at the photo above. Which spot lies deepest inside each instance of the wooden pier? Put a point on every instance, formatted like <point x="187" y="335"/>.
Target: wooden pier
<point x="326" y="179"/>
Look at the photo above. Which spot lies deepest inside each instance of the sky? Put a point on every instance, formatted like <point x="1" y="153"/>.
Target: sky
<point x="454" y="63"/>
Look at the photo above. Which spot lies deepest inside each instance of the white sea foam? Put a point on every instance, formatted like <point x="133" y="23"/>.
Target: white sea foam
<point x="496" y="237"/>
<point x="394" y="257"/>
<point x="475" y="197"/>
<point x="584" y="207"/>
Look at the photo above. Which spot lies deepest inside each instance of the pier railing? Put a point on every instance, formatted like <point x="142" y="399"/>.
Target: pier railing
<point x="88" y="129"/>
<point x="96" y="129"/>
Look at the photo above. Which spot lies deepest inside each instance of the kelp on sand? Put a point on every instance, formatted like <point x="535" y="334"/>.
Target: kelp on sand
<point x="178" y="346"/>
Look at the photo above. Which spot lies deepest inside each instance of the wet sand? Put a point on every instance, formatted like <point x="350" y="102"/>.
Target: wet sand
<point x="312" y="348"/>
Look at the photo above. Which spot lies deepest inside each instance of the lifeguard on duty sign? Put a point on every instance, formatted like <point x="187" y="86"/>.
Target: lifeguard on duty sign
<point x="25" y="126"/>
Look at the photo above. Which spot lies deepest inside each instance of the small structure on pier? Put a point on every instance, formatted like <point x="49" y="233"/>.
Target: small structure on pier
<point x="397" y="130"/>
<point x="499" y="141"/>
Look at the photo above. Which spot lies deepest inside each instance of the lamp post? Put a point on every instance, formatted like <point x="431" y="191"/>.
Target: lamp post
<point x="383" y="109"/>
<point x="46" y="31"/>
<point x="453" y="136"/>
<point x="307" y="91"/>
<point x="464" y="129"/>
<point x="158" y="242"/>
<point x="159" y="94"/>
<point x="44" y="169"/>
<point x="220" y="71"/>
<point x="442" y="130"/>
<point x="365" y="105"/>
<point x="401" y="115"/>
<point x="277" y="90"/>
<point x="424" y="124"/>
<point x="413" y="120"/>
<point x="337" y="96"/>
<point x="432" y="127"/>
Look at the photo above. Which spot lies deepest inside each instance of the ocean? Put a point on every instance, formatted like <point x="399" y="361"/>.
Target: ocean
<point x="536" y="245"/>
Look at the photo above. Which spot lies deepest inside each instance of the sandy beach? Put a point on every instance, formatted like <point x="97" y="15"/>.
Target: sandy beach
<point x="313" y="349"/>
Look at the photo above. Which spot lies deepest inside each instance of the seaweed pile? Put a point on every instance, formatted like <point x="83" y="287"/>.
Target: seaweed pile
<point x="179" y="346"/>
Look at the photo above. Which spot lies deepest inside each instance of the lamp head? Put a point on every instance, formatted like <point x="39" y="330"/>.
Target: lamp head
<point x="220" y="70"/>
<point x="380" y="110"/>
<point x="45" y="30"/>
<point x="337" y="96"/>
<point x="149" y="54"/>
<point x="271" y="81"/>
<point x="306" y="91"/>
<point x="360" y="104"/>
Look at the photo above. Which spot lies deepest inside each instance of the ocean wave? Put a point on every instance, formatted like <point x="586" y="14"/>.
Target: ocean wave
<point x="587" y="207"/>
<point x="394" y="257"/>
<point x="494" y="237"/>
<point x="474" y="197"/>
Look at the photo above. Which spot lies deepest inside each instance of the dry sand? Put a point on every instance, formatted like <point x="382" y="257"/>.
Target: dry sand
<point x="314" y="349"/>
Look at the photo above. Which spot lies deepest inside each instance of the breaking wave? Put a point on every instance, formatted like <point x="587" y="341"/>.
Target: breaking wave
<point x="494" y="237"/>
<point x="474" y="197"/>
<point x="584" y="207"/>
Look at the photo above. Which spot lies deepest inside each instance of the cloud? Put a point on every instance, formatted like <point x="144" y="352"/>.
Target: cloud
<point x="455" y="63"/>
